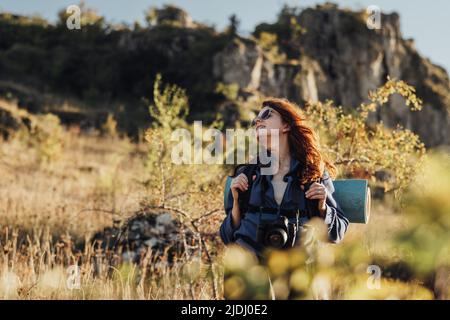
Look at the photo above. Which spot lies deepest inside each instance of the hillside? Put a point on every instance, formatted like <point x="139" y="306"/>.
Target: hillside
<point x="319" y="53"/>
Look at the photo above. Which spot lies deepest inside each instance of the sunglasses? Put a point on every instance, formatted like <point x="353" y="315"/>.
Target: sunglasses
<point x="264" y="116"/>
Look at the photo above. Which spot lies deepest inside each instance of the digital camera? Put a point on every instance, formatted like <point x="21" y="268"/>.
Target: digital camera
<point x="278" y="233"/>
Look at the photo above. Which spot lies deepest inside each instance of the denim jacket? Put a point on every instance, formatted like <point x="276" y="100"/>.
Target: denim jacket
<point x="293" y="199"/>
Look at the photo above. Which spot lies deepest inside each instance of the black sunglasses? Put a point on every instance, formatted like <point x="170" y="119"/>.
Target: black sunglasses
<point x="264" y="116"/>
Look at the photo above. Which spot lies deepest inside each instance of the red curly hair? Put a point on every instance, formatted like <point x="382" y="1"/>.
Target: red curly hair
<point x="302" y="141"/>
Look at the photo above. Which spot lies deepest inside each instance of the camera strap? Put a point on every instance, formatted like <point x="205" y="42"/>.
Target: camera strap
<point x="261" y="203"/>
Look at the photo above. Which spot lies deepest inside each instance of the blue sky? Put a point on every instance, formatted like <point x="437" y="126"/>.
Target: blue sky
<point x="428" y="22"/>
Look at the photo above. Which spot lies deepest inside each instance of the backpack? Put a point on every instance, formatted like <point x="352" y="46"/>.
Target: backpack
<point x="244" y="196"/>
<point x="353" y="195"/>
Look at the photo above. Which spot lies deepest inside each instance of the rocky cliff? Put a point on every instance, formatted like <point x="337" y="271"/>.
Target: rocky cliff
<point x="339" y="58"/>
<point x="315" y="54"/>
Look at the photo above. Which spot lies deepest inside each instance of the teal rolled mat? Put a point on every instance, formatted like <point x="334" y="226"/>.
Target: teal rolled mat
<point x="352" y="195"/>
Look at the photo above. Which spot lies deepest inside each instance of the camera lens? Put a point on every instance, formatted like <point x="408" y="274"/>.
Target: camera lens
<point x="276" y="238"/>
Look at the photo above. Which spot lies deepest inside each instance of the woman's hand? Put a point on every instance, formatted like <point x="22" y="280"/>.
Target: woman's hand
<point x="238" y="183"/>
<point x="318" y="191"/>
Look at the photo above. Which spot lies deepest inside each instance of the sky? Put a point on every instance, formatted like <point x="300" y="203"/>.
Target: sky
<point x="426" y="21"/>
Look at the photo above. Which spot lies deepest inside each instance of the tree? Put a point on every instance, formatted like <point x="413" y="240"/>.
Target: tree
<point x="233" y="26"/>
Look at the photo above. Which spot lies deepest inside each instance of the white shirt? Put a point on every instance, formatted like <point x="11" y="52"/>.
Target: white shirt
<point x="279" y="188"/>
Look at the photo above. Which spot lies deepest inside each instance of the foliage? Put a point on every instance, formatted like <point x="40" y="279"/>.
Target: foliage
<point x="389" y="158"/>
<point x="103" y="65"/>
<point x="172" y="16"/>
<point x="288" y="32"/>
<point x="170" y="180"/>
<point x="428" y="207"/>
<point x="109" y="127"/>
<point x="88" y="16"/>
<point x="151" y="16"/>
<point x="233" y="26"/>
<point x="268" y="42"/>
<point x="42" y="133"/>
<point x="230" y="91"/>
<point x="417" y="251"/>
<point x="170" y="105"/>
<point x="46" y="137"/>
<point x="412" y="254"/>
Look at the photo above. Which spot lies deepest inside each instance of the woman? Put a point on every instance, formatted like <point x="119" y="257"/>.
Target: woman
<point x="292" y="189"/>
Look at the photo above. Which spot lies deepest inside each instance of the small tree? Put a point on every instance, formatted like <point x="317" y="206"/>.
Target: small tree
<point x="89" y="16"/>
<point x="174" y="182"/>
<point x="233" y="26"/>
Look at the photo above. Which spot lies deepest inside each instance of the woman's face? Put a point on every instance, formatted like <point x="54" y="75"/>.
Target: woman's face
<point x="267" y="120"/>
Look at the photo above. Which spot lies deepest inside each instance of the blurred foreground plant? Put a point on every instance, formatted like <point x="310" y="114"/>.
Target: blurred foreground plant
<point x="415" y="264"/>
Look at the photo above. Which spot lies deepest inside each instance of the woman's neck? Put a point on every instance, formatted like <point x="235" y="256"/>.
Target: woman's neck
<point x="282" y="153"/>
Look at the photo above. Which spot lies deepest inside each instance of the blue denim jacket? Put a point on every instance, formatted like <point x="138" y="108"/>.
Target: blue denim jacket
<point x="293" y="199"/>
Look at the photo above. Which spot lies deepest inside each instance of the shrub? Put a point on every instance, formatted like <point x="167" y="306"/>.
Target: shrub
<point x="388" y="158"/>
<point x="109" y="127"/>
<point x="170" y="181"/>
<point x="43" y="133"/>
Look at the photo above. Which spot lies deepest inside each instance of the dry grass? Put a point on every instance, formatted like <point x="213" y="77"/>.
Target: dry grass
<point x="93" y="173"/>
<point x="49" y="212"/>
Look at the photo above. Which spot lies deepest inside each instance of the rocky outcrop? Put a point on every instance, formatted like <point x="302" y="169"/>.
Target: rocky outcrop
<point x="341" y="59"/>
<point x="319" y="53"/>
<point x="353" y="59"/>
<point x="146" y="231"/>
<point x="244" y="63"/>
<point x="240" y="62"/>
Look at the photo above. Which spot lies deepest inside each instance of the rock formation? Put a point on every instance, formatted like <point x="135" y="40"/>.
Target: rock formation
<point x="340" y="58"/>
<point x="319" y="53"/>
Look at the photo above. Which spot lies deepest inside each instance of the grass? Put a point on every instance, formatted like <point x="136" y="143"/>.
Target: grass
<point x="50" y="211"/>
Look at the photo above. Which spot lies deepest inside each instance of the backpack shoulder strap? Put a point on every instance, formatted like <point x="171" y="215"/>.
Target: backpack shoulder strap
<point x="312" y="204"/>
<point x="244" y="197"/>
